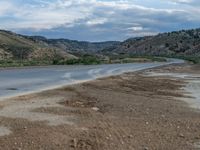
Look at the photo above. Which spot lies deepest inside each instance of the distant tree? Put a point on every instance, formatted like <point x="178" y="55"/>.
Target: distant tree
<point x="166" y="44"/>
<point x="196" y="36"/>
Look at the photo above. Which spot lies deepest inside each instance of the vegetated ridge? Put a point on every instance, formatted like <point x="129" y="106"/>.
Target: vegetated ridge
<point x="16" y="48"/>
<point x="184" y="44"/>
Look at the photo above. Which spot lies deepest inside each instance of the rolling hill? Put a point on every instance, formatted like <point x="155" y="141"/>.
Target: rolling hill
<point x="16" y="47"/>
<point x="180" y="43"/>
<point x="19" y="47"/>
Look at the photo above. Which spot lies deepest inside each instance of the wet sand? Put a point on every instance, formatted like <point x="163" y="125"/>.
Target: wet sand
<point x="144" y="110"/>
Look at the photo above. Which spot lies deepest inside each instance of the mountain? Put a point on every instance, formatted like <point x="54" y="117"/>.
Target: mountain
<point x="180" y="43"/>
<point x="16" y="46"/>
<point x="40" y="49"/>
<point x="73" y="45"/>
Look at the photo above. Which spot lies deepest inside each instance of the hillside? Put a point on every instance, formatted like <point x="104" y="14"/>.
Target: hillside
<point x="14" y="46"/>
<point x="180" y="43"/>
<point x="75" y="46"/>
<point x="40" y="50"/>
<point x="19" y="47"/>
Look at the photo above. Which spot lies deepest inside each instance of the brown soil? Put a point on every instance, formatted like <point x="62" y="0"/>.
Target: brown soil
<point x="127" y="112"/>
<point x="179" y="68"/>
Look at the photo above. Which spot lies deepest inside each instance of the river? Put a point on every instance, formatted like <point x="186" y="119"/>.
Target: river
<point x="20" y="81"/>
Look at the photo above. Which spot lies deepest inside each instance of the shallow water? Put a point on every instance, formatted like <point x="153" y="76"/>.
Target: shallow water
<point x="21" y="81"/>
<point x="191" y="89"/>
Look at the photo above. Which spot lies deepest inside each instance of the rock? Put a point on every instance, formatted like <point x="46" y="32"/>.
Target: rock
<point x="95" y="108"/>
<point x="181" y="135"/>
<point x="163" y="116"/>
<point x="130" y="136"/>
<point x="146" y="148"/>
<point x="74" y="143"/>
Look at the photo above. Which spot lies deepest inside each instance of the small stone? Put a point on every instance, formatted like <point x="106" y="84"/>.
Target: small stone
<point x="130" y="136"/>
<point x="163" y="116"/>
<point x="146" y="148"/>
<point x="181" y="135"/>
<point x="74" y="143"/>
<point x="95" y="108"/>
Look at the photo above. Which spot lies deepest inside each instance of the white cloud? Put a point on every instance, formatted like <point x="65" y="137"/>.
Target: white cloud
<point x="6" y="7"/>
<point x="44" y="16"/>
<point x="113" y="18"/>
<point x="182" y="1"/>
<point x="136" y="28"/>
<point x="49" y="15"/>
<point x="97" y="21"/>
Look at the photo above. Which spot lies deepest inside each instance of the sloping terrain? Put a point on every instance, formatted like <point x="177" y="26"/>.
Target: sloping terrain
<point x="180" y="43"/>
<point x="13" y="46"/>
<point x="17" y="46"/>
<point x="76" y="46"/>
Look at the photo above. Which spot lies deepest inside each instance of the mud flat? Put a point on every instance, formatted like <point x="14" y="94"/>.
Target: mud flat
<point x="147" y="110"/>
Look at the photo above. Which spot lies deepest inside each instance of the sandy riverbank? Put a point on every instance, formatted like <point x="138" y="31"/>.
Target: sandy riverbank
<point x="126" y="112"/>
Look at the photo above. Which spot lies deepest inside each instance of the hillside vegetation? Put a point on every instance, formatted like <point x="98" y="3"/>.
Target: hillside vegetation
<point x="15" y="47"/>
<point x="18" y="50"/>
<point x="181" y="44"/>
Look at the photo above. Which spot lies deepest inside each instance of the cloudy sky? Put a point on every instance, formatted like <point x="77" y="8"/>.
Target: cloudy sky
<point x="98" y="20"/>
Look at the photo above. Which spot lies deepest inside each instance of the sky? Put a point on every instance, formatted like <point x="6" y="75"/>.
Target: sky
<point x="98" y="20"/>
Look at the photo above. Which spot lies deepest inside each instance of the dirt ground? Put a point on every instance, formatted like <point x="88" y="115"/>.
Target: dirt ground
<point x="132" y="111"/>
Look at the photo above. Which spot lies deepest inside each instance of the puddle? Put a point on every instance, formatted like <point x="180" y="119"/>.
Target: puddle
<point x="192" y="88"/>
